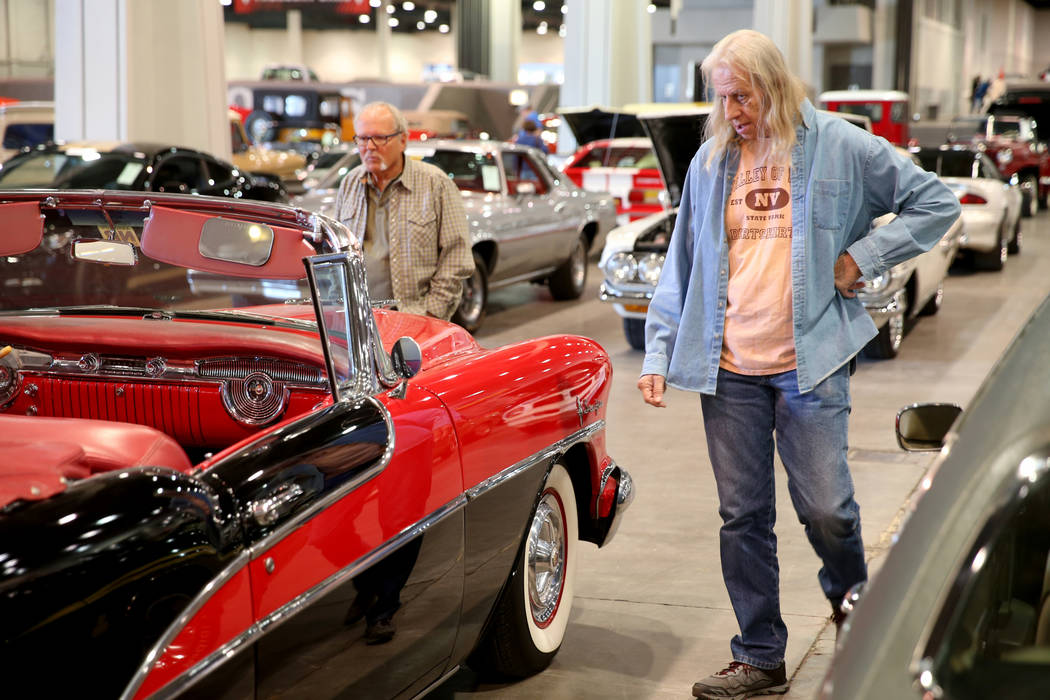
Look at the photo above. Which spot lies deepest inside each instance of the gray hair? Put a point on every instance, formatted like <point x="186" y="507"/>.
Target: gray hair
<point x="756" y="59"/>
<point x="399" y="118"/>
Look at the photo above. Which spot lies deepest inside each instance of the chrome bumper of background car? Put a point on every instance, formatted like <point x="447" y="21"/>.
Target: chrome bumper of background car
<point x="624" y="296"/>
<point x="881" y="310"/>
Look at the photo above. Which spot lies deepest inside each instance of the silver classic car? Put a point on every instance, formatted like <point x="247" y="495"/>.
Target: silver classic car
<point x="634" y="254"/>
<point x="528" y="222"/>
<point x="960" y="609"/>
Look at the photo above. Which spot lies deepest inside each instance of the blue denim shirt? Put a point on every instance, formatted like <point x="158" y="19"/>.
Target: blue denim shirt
<point x="841" y="178"/>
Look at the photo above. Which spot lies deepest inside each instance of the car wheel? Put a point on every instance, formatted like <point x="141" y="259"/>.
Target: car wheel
<point x="568" y="281"/>
<point x="887" y="343"/>
<point x="932" y="306"/>
<point x="1014" y="247"/>
<point x="1030" y="195"/>
<point x="259" y="126"/>
<point x="993" y="260"/>
<point x="634" y="329"/>
<point x="471" y="310"/>
<point x="529" y="621"/>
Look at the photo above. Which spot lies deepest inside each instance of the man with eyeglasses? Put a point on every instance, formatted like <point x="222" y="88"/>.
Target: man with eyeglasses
<point x="409" y="217"/>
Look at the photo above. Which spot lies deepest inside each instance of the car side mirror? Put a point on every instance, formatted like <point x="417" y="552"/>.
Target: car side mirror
<point x="923" y="427"/>
<point x="406" y="357"/>
<point x="525" y="188"/>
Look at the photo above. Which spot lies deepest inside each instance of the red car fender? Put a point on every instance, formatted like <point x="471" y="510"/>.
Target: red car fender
<point x="509" y="404"/>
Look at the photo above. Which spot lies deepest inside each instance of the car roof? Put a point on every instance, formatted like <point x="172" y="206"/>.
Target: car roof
<point x="863" y="96"/>
<point x="146" y="148"/>
<point x="622" y="142"/>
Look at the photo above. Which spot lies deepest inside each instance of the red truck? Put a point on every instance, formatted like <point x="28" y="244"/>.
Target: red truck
<point x="1013" y="142"/>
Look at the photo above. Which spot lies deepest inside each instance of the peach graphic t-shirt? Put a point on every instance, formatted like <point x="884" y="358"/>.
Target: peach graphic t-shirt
<point x="758" y="335"/>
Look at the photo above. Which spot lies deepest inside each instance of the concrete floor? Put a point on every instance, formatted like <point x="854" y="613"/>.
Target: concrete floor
<point x="651" y="613"/>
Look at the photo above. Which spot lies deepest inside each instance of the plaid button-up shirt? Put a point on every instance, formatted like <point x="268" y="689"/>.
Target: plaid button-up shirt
<point x="426" y="225"/>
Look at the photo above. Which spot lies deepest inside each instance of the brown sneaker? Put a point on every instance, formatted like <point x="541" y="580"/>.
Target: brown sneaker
<point x="739" y="680"/>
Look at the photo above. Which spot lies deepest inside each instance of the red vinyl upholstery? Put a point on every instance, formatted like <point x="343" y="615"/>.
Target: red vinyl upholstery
<point x="40" y="452"/>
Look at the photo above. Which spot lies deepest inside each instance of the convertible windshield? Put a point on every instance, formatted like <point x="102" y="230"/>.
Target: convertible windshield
<point x="951" y="163"/>
<point x="73" y="168"/>
<point x="51" y="277"/>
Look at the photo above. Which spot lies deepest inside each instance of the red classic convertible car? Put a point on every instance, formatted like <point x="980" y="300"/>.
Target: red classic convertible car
<point x="224" y="474"/>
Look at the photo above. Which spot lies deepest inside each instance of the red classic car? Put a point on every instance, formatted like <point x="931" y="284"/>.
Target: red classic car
<point x="224" y="474"/>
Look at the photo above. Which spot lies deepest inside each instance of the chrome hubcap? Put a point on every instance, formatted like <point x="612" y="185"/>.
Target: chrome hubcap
<point x="579" y="265"/>
<point x="896" y="322"/>
<point x="473" y="299"/>
<point x="546" y="559"/>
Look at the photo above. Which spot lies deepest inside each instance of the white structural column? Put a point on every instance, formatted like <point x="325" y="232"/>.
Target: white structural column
<point x="383" y="39"/>
<point x="294" y="22"/>
<point x="504" y="44"/>
<point x="789" y="23"/>
<point x="884" y="45"/>
<point x="141" y="70"/>
<point x="608" y="56"/>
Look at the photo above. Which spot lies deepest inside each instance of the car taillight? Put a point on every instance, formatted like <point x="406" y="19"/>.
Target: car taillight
<point x="636" y="196"/>
<point x="971" y="198"/>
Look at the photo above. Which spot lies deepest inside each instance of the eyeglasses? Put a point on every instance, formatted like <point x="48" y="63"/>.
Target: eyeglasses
<point x="377" y="141"/>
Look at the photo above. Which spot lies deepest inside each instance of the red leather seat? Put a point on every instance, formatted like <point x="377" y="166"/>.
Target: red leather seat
<point x="40" y="453"/>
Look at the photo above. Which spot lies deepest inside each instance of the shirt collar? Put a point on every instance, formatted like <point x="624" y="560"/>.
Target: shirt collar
<point x="809" y="113"/>
<point x="409" y="176"/>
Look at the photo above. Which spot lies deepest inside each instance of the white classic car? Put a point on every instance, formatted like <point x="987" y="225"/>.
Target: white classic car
<point x="991" y="204"/>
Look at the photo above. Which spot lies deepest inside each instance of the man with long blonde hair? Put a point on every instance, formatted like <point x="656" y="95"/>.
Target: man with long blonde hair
<point x="756" y="310"/>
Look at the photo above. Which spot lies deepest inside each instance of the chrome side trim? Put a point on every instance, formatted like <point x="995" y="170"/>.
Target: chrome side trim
<point x="177" y="625"/>
<point x="448" y="674"/>
<point x="295" y="522"/>
<point x="301" y="602"/>
<point x="532" y="460"/>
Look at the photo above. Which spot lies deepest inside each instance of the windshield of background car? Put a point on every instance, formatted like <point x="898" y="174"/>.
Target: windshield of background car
<point x="471" y="172"/>
<point x="994" y="633"/>
<point x="74" y="168"/>
<point x="50" y="276"/>
<point x="18" y="136"/>
<point x="958" y="164"/>
<point x="336" y="169"/>
<point x="867" y="109"/>
<point x="617" y="157"/>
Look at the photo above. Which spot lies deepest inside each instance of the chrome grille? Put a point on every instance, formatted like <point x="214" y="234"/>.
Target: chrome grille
<point x="278" y="370"/>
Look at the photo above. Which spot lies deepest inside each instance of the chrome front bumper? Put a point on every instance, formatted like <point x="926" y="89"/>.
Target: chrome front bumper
<point x="882" y="310"/>
<point x="609" y="522"/>
<point x="624" y="296"/>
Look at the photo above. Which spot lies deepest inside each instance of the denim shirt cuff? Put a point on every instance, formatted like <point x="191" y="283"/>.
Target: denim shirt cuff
<point x="655" y="363"/>
<point x="864" y="254"/>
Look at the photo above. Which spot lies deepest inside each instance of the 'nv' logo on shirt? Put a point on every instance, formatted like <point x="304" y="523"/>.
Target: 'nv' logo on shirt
<point x="767" y="199"/>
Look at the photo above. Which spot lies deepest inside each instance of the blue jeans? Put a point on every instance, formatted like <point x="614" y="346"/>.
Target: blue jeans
<point x="811" y="435"/>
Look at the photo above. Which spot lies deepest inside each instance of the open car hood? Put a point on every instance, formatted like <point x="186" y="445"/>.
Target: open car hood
<point x="593" y="123"/>
<point x="676" y="136"/>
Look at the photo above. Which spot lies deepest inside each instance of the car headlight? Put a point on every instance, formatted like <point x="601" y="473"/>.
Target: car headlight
<point x="621" y="268"/>
<point x="1004" y="156"/>
<point x="878" y="283"/>
<point x="649" y="267"/>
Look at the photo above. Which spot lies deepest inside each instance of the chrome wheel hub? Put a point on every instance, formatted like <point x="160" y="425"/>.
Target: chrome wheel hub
<point x="546" y="559"/>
